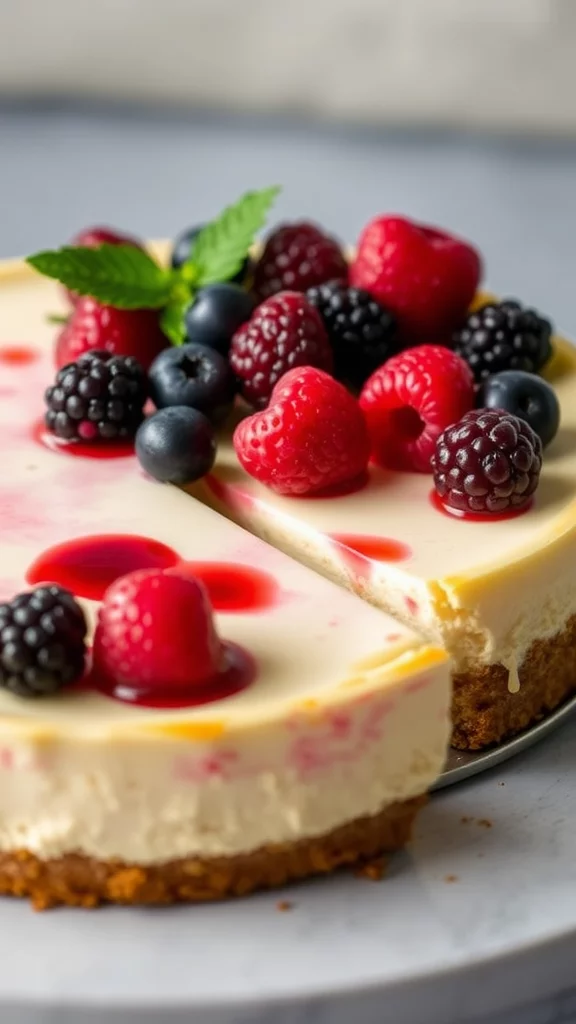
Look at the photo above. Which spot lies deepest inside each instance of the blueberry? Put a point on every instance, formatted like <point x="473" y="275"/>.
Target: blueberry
<point x="183" y="247"/>
<point x="193" y="375"/>
<point x="216" y="313"/>
<point x="176" y="445"/>
<point x="524" y="395"/>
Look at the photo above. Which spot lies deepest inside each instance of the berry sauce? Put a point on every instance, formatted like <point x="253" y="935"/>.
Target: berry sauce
<point x="358" y="551"/>
<point x="238" y="670"/>
<point x="87" y="566"/>
<point x="82" y="449"/>
<point x="18" y="355"/>
<point x="234" y="588"/>
<point x="478" y="517"/>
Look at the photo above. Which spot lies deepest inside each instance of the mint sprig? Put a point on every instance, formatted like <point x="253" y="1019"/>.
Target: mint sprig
<point x="221" y="247"/>
<point x="129" y="278"/>
<point x="118" y="275"/>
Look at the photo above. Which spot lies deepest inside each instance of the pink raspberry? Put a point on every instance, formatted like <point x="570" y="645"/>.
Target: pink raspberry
<point x="155" y="634"/>
<point x="312" y="436"/>
<point x="409" y="400"/>
<point x="283" y="332"/>
<point x="121" y="332"/>
<point x="425" y="277"/>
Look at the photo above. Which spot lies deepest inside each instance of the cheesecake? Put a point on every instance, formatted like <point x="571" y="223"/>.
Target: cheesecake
<point x="318" y="755"/>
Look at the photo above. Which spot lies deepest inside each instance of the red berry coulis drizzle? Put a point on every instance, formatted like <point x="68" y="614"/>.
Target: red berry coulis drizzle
<point x="87" y="566"/>
<point x="234" y="588"/>
<point x="81" y="449"/>
<point x="478" y="517"/>
<point x="358" y="551"/>
<point x="238" y="671"/>
<point x="18" y="355"/>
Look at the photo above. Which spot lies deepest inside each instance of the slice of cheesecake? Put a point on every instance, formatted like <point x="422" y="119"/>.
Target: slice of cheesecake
<point x="320" y="757"/>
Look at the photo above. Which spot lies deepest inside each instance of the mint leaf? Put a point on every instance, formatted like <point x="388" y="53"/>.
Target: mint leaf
<point x="222" y="246"/>
<point x="172" y="321"/>
<point x="118" y="275"/>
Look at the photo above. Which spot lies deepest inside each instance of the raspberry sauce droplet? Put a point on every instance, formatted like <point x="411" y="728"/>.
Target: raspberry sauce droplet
<point x="358" y="551"/>
<point x="88" y="565"/>
<point x="234" y="588"/>
<point x="88" y="449"/>
<point x="238" y="671"/>
<point x="18" y="355"/>
<point x="478" y="517"/>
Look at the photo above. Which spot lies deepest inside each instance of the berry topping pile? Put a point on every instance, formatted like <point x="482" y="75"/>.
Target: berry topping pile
<point x="410" y="400"/>
<point x="297" y="257"/>
<point x="42" y="642"/>
<point x="362" y="332"/>
<point x="311" y="436"/>
<point x="284" y="332"/>
<point x="99" y="397"/>
<point x="155" y="633"/>
<point x="504" y="336"/>
<point x="424" y="276"/>
<point x="344" y="360"/>
<point x="487" y="463"/>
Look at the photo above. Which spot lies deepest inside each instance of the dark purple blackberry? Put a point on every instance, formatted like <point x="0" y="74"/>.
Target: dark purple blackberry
<point x="488" y="462"/>
<point x="361" y="331"/>
<point x="99" y="397"/>
<point x="504" y="336"/>
<point x="42" y="642"/>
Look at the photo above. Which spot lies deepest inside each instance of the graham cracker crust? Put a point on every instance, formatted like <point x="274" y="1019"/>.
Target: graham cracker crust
<point x="485" y="712"/>
<point x="76" y="880"/>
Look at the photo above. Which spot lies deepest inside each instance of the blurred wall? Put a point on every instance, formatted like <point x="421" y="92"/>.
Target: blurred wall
<point x="495" y="63"/>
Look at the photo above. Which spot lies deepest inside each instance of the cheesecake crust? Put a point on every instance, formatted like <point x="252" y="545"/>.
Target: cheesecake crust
<point x="76" y="880"/>
<point x="484" y="710"/>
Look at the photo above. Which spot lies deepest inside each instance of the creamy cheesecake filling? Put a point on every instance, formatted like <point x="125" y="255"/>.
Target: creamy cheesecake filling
<point x="148" y="801"/>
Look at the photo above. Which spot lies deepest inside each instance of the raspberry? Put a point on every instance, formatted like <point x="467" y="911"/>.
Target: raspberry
<point x="100" y="397"/>
<point x="488" y="462"/>
<point x="425" y="277"/>
<point x="123" y="332"/>
<point x="312" y="435"/>
<point x="42" y="646"/>
<point x="91" y="238"/>
<point x="155" y="634"/>
<point x="410" y="400"/>
<point x="361" y="331"/>
<point x="504" y="336"/>
<point x="284" y="332"/>
<point x="297" y="257"/>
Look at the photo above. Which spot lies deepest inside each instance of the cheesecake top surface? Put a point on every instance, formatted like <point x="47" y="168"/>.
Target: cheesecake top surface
<point x="312" y="641"/>
<point x="396" y="510"/>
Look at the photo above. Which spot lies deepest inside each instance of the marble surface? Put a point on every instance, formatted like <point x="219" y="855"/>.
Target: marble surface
<point x="477" y="923"/>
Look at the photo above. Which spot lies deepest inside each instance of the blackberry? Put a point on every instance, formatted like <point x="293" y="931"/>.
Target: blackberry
<point x="42" y="646"/>
<point x="488" y="462"/>
<point x="99" y="397"/>
<point x="504" y="336"/>
<point x="361" y="331"/>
